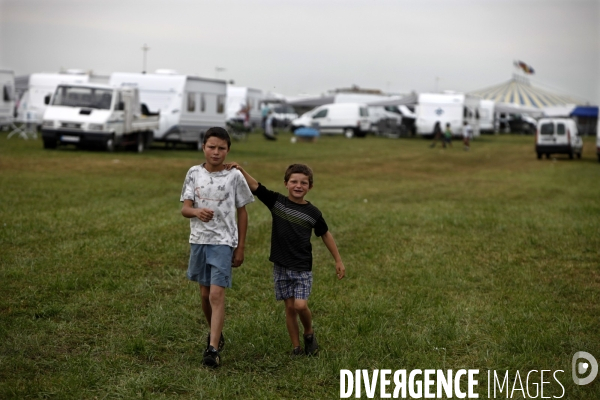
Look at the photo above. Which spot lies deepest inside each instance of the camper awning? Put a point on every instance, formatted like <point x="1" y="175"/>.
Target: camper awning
<point x="311" y="101"/>
<point x="585" y="111"/>
<point x="511" y="108"/>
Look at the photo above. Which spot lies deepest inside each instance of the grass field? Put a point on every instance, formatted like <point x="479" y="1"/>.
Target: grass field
<point x="487" y="259"/>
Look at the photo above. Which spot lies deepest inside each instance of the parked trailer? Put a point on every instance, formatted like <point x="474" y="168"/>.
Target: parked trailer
<point x="242" y="101"/>
<point x="97" y="115"/>
<point x="452" y="108"/>
<point x="188" y="105"/>
<point x="7" y="98"/>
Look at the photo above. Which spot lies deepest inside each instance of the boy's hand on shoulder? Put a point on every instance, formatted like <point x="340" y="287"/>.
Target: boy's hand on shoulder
<point x="231" y="165"/>
<point x="340" y="270"/>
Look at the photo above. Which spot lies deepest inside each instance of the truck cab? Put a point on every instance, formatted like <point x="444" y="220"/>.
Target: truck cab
<point x="97" y="116"/>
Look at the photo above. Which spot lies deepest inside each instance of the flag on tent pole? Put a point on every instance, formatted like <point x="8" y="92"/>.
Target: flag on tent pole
<point x="528" y="69"/>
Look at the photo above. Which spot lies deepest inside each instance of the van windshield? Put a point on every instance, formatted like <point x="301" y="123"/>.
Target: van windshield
<point x="84" y="97"/>
<point x="547" y="129"/>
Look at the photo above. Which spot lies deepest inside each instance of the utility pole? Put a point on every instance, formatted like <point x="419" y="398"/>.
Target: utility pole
<point x="145" y="50"/>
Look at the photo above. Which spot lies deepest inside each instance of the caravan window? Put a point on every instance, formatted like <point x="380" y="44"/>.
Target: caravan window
<point x="560" y="129"/>
<point x="8" y="93"/>
<point x="191" y="102"/>
<point x="220" y="104"/>
<point x="202" y="103"/>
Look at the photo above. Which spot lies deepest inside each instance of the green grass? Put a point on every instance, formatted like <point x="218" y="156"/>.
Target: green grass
<point x="488" y="259"/>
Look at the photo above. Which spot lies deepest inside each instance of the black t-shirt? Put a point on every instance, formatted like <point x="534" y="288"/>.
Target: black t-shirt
<point x="292" y="229"/>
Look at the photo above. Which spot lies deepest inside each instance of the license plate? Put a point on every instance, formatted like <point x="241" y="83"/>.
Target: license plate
<point x="70" y="139"/>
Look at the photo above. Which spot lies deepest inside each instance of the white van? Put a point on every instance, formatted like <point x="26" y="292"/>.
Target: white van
<point x="349" y="119"/>
<point x="598" y="139"/>
<point x="557" y="136"/>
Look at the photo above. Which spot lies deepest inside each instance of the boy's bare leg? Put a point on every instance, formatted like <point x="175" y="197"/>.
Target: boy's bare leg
<point x="291" y="321"/>
<point x="301" y="308"/>
<point x="205" y="293"/>
<point x="217" y="305"/>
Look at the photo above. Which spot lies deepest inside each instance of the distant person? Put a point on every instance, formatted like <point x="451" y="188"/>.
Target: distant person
<point x="437" y="134"/>
<point x="467" y="135"/>
<point x="448" y="135"/>
<point x="264" y="113"/>
<point x="269" y="133"/>
<point x="211" y="197"/>
<point x="294" y="220"/>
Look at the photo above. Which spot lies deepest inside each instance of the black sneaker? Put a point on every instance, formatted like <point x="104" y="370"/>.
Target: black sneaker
<point x="297" y="352"/>
<point x="211" y="357"/>
<point x="221" y="342"/>
<point x="311" y="347"/>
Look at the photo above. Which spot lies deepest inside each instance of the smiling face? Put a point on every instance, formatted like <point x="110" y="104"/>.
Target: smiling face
<point x="215" y="151"/>
<point x="298" y="186"/>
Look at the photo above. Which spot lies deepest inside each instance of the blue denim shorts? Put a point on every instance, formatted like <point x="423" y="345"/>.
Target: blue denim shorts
<point x="290" y="283"/>
<point x="210" y="264"/>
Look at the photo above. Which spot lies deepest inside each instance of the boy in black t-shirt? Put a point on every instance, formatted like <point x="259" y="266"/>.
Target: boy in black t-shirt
<point x="291" y="252"/>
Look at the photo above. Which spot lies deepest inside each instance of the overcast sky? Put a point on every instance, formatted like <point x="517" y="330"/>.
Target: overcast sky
<point x="306" y="46"/>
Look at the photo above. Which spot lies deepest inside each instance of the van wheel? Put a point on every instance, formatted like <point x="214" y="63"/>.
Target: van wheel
<point x="110" y="144"/>
<point x="349" y="133"/>
<point x="571" y="155"/>
<point x="539" y="155"/>
<point x="49" y="144"/>
<point x="579" y="155"/>
<point x="140" y="144"/>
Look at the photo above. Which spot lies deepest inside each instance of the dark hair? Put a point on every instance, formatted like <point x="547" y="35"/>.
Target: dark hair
<point x="219" y="133"/>
<point x="299" y="169"/>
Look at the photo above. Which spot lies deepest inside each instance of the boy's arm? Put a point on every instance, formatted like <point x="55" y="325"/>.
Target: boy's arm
<point x="238" y="253"/>
<point x="252" y="183"/>
<point x="332" y="247"/>
<point x="203" y="214"/>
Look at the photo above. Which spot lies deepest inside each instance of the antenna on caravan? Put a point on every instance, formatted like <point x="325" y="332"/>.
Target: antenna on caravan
<point x="217" y="70"/>
<point x="145" y="49"/>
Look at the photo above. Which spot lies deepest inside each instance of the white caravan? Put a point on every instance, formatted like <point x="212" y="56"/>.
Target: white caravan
<point x="486" y="116"/>
<point x="238" y="98"/>
<point x="7" y="98"/>
<point x="188" y="105"/>
<point x="97" y="115"/>
<point x="41" y="86"/>
<point x="452" y="108"/>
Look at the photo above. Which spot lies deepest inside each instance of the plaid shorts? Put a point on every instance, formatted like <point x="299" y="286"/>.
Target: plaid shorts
<point x="290" y="283"/>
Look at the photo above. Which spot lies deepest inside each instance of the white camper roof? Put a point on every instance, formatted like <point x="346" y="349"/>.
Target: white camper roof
<point x="51" y="80"/>
<point x="441" y="98"/>
<point x="159" y="81"/>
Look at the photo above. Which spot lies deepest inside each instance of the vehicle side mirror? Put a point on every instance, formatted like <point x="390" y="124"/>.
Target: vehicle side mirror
<point x="47" y="99"/>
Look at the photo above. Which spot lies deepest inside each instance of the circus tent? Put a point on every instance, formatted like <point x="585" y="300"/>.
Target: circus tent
<point x="520" y="91"/>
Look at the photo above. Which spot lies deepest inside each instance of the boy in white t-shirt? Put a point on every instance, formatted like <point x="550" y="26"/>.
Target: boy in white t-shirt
<point x="211" y="197"/>
<point x="467" y="134"/>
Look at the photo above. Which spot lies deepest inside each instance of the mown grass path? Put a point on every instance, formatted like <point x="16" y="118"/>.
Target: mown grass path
<point x="487" y="259"/>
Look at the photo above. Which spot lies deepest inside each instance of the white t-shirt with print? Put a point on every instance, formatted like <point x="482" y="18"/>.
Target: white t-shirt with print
<point x="223" y="192"/>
